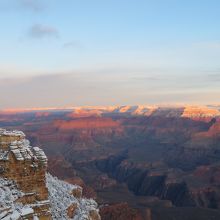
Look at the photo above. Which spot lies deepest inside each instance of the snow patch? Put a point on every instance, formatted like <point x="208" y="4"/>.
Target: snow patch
<point x="61" y="198"/>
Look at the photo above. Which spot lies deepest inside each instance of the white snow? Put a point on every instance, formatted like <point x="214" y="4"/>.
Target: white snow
<point x="22" y="150"/>
<point x="4" y="132"/>
<point x="39" y="153"/>
<point x="61" y="198"/>
<point x="9" y="193"/>
<point x="27" y="211"/>
<point x="4" y="155"/>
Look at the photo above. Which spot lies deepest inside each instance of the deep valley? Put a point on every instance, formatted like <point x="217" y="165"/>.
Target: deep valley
<point x="152" y="162"/>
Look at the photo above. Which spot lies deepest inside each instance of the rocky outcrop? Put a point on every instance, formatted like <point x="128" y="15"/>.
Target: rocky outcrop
<point x="26" y="167"/>
<point x="27" y="192"/>
<point x="65" y="204"/>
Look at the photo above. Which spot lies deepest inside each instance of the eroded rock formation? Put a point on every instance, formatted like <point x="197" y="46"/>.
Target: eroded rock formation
<point x="26" y="166"/>
<point x="28" y="192"/>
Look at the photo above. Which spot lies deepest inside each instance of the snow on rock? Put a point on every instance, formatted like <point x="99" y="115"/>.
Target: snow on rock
<point x="21" y="149"/>
<point x="61" y="199"/>
<point x="40" y="155"/>
<point x="28" y="192"/>
<point x="11" y="133"/>
<point x="8" y="193"/>
<point x="9" y="208"/>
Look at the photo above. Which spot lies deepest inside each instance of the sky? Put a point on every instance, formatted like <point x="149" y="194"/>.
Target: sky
<point x="115" y="52"/>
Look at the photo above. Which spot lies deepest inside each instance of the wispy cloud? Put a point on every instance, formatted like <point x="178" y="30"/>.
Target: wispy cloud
<point x="41" y="31"/>
<point x="22" y="5"/>
<point x="84" y="88"/>
<point x="34" y="5"/>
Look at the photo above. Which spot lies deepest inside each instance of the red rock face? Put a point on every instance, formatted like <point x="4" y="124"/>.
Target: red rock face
<point x="120" y="212"/>
<point x="214" y="131"/>
<point x="58" y="166"/>
<point x="86" y="123"/>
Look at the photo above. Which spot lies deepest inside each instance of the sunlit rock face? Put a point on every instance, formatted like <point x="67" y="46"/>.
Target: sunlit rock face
<point x="28" y="192"/>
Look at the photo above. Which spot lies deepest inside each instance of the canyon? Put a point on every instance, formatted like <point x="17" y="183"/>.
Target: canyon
<point x="152" y="162"/>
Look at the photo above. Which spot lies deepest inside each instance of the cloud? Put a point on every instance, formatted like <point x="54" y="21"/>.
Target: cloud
<point x="41" y="31"/>
<point x="84" y="88"/>
<point x="12" y="70"/>
<point x="34" y="5"/>
<point x="22" y="5"/>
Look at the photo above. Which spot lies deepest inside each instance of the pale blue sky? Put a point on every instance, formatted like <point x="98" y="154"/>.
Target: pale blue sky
<point x="152" y="48"/>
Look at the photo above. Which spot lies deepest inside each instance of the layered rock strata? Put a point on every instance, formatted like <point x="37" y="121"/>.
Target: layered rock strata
<point x="26" y="167"/>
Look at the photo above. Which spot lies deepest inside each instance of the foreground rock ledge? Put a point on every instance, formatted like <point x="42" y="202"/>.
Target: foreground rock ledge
<point x="28" y="192"/>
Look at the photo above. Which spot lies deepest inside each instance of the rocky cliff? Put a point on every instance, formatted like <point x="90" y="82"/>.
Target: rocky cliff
<point x="28" y="192"/>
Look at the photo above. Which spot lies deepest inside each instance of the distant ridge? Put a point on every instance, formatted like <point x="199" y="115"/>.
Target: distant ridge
<point x="144" y="110"/>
